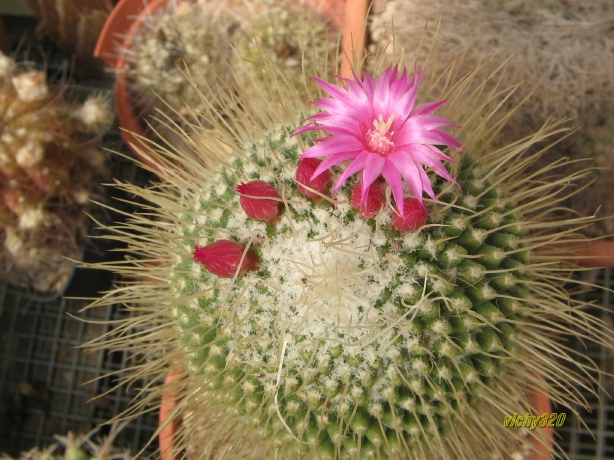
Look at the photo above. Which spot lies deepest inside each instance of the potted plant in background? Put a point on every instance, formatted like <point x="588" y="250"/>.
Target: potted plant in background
<point x="166" y="51"/>
<point x="393" y="306"/>
<point x="74" y="26"/>
<point x="50" y="169"/>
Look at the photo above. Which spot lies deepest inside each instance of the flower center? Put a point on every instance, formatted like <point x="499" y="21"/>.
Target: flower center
<point x="379" y="138"/>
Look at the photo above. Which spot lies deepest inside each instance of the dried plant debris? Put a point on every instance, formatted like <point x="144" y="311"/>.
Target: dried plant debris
<point x="50" y="170"/>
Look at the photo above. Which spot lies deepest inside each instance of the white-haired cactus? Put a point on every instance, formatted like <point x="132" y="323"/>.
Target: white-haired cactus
<point x="49" y="168"/>
<point x="185" y="46"/>
<point x="312" y="321"/>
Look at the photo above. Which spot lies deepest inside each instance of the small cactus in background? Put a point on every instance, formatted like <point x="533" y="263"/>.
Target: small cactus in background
<point x="178" y="43"/>
<point x="78" y="447"/>
<point x="186" y="46"/>
<point x="334" y="321"/>
<point x="49" y="170"/>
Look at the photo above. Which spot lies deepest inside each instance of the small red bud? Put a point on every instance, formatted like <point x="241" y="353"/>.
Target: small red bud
<point x="304" y="171"/>
<point x="223" y="257"/>
<point x="414" y="216"/>
<point x="376" y="198"/>
<point x="254" y="200"/>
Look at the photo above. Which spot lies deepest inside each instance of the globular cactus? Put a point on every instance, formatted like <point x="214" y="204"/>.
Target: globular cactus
<point x="180" y="42"/>
<point x="49" y="167"/>
<point x="182" y="48"/>
<point x="311" y="324"/>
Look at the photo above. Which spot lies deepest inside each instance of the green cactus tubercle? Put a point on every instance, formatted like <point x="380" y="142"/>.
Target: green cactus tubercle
<point x="351" y="336"/>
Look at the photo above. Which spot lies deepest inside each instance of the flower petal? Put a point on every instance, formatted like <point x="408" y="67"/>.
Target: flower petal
<point x="371" y="171"/>
<point x="426" y="122"/>
<point x="334" y="145"/>
<point x="393" y="177"/>
<point x="434" y="137"/>
<point x="429" y="108"/>
<point x="354" y="167"/>
<point x="334" y="160"/>
<point x="410" y="172"/>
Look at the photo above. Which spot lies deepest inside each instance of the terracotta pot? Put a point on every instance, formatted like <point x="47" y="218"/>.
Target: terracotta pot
<point x="596" y="254"/>
<point x="541" y="405"/>
<point x="166" y="438"/>
<point x="354" y="38"/>
<point x="117" y="36"/>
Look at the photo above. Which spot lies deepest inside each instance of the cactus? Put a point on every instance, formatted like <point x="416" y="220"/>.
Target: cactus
<point x="177" y="42"/>
<point x="78" y="447"/>
<point x="184" y="46"/>
<point x="308" y="324"/>
<point x="48" y="171"/>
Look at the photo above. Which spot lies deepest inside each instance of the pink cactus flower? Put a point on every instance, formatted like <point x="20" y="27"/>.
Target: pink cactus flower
<point x="226" y="258"/>
<point x="376" y="125"/>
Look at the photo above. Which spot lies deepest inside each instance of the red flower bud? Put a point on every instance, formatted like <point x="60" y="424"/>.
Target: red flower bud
<point x="223" y="258"/>
<point x="414" y="216"/>
<point x="376" y="198"/>
<point x="304" y="171"/>
<point x="255" y="204"/>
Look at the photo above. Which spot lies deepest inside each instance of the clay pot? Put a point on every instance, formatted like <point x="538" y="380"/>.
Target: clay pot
<point x="166" y="438"/>
<point x="117" y="35"/>
<point x="595" y="254"/>
<point x="541" y="405"/>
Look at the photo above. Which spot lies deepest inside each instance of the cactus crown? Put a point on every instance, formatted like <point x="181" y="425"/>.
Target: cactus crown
<point x="312" y="331"/>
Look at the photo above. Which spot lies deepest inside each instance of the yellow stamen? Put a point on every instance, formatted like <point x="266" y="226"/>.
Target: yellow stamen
<point x="381" y="126"/>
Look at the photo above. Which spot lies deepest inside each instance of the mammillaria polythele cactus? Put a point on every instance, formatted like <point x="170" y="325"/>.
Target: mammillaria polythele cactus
<point x="312" y="320"/>
<point x="49" y="169"/>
